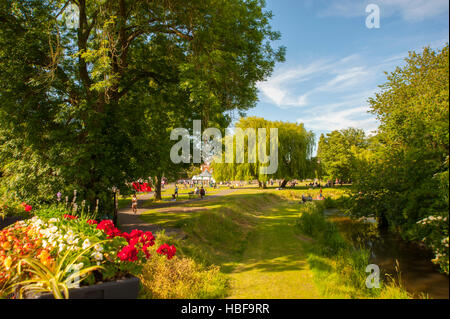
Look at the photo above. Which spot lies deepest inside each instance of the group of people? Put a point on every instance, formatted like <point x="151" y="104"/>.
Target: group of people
<point x="309" y="198"/>
<point x="201" y="192"/>
<point x="195" y="183"/>
<point x="314" y="184"/>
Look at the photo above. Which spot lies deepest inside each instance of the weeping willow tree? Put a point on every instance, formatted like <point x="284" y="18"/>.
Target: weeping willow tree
<point x="292" y="154"/>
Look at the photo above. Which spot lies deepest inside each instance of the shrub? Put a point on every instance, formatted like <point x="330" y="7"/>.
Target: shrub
<point x="14" y="209"/>
<point x="435" y="230"/>
<point x="181" y="278"/>
<point x="313" y="223"/>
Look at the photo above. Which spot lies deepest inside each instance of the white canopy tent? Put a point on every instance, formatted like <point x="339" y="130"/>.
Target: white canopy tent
<point x="205" y="176"/>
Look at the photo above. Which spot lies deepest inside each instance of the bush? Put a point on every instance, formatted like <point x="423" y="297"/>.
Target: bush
<point x="181" y="278"/>
<point x="313" y="223"/>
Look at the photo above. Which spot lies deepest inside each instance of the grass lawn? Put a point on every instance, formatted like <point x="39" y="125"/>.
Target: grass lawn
<point x="251" y="234"/>
<point x="273" y="264"/>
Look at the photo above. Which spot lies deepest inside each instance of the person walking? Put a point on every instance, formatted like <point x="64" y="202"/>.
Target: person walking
<point x="134" y="202"/>
<point x="202" y="192"/>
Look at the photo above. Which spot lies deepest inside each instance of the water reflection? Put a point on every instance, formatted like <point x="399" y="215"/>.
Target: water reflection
<point x="417" y="273"/>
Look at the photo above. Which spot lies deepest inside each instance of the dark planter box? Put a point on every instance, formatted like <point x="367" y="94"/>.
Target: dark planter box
<point x="9" y="220"/>
<point x="120" y="289"/>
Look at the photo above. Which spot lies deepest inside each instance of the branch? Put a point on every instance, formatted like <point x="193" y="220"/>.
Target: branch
<point x="140" y="76"/>
<point x="83" y="34"/>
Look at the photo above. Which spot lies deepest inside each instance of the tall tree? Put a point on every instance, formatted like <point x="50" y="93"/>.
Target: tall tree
<point x="408" y="172"/>
<point x="68" y="69"/>
<point x="295" y="145"/>
<point x="338" y="151"/>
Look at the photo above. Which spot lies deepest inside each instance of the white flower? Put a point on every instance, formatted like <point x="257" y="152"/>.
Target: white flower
<point x="61" y="247"/>
<point x="72" y="240"/>
<point x="98" y="247"/>
<point x="86" y="243"/>
<point x="53" y="229"/>
<point x="97" y="256"/>
<point x="53" y="220"/>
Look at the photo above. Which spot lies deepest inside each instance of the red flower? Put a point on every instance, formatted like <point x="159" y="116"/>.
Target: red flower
<point x="128" y="253"/>
<point x="147" y="238"/>
<point x="167" y="250"/>
<point x="92" y="222"/>
<point x="67" y="216"/>
<point x="108" y="227"/>
<point x="144" y="249"/>
<point x="28" y="208"/>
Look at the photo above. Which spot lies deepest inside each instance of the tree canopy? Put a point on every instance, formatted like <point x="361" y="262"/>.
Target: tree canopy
<point x="295" y="146"/>
<point x="85" y="84"/>
<point x="404" y="178"/>
<point x="338" y="152"/>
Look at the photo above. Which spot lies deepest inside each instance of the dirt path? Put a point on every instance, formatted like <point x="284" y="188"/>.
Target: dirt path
<point x="128" y="220"/>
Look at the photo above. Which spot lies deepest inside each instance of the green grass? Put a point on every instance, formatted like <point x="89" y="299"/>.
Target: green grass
<point x="254" y="237"/>
<point x="218" y="225"/>
<point x="273" y="264"/>
<point x="251" y="235"/>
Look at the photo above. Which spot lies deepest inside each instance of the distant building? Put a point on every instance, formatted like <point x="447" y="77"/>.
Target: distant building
<point x="205" y="175"/>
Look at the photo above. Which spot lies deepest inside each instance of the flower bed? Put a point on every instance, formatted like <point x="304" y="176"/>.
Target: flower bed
<point x="72" y="250"/>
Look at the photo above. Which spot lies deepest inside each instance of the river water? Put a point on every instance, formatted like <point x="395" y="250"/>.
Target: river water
<point x="418" y="275"/>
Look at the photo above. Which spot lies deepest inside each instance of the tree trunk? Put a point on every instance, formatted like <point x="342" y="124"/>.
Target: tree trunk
<point x="158" y="188"/>
<point x="283" y="183"/>
<point x="262" y="185"/>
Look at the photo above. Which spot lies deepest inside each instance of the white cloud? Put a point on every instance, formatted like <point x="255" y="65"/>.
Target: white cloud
<point x="304" y="85"/>
<point x="282" y="88"/>
<point x="347" y="82"/>
<point x="336" y="120"/>
<point x="277" y="90"/>
<point x="331" y="94"/>
<point x="409" y="10"/>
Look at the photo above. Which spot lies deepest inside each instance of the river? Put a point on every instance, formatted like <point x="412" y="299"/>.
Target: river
<point x="418" y="275"/>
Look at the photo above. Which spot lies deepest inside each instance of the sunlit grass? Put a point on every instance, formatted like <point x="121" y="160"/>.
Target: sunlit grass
<point x="252" y="235"/>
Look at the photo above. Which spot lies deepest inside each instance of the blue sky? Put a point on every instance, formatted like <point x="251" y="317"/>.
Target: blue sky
<point x="334" y="63"/>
